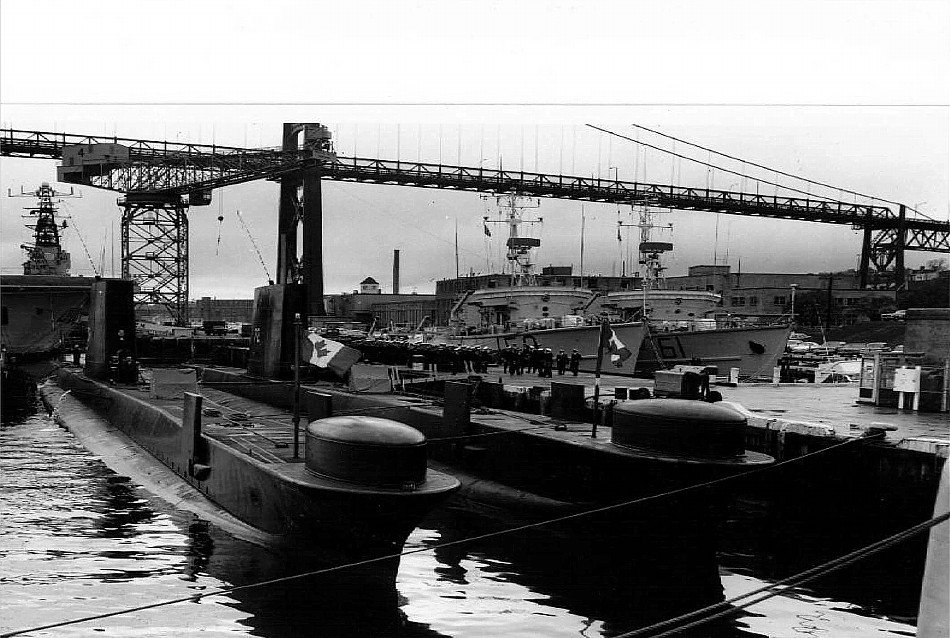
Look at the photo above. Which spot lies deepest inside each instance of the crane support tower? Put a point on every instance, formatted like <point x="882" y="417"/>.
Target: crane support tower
<point x="301" y="203"/>
<point x="155" y="251"/>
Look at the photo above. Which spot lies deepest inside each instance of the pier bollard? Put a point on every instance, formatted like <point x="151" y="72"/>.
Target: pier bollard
<point x="490" y="394"/>
<point x="319" y="405"/>
<point x="567" y="401"/>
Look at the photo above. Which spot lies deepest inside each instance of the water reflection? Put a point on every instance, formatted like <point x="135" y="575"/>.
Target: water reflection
<point x="340" y="603"/>
<point x="611" y="580"/>
<point x="801" y="518"/>
<point x="121" y="509"/>
<point x="658" y="564"/>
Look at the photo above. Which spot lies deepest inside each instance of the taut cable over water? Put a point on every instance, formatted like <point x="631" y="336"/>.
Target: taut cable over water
<point x="810" y="574"/>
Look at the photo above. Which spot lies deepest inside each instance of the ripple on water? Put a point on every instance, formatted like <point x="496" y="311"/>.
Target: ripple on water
<point x="78" y="540"/>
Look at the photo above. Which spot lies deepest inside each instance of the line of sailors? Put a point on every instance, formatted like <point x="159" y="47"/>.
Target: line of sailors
<point x="443" y="356"/>
<point x="457" y="358"/>
<point x="538" y="360"/>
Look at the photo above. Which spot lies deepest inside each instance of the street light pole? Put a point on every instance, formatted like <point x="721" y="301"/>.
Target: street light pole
<point x="296" y="413"/>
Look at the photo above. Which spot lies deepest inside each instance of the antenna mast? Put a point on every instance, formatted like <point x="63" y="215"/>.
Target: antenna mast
<point x="519" y="247"/>
<point x="649" y="250"/>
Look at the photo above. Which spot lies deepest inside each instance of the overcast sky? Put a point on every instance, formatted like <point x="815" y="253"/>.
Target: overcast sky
<point x="853" y="94"/>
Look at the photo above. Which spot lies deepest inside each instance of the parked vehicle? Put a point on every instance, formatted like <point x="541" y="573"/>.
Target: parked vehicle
<point x="897" y="315"/>
<point x="804" y="347"/>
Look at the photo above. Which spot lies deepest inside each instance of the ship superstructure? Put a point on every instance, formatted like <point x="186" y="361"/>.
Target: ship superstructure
<point x="45" y="256"/>
<point x="524" y="303"/>
<point x="682" y="325"/>
<point x="529" y="312"/>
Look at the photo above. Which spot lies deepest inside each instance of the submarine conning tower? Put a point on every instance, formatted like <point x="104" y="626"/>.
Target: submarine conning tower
<point x="369" y="451"/>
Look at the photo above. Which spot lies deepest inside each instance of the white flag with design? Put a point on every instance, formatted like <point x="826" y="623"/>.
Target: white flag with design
<point x="326" y="353"/>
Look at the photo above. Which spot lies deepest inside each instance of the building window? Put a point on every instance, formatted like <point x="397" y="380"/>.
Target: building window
<point x="778" y="301"/>
<point x="710" y="288"/>
<point x="738" y="301"/>
<point x="4" y="317"/>
<point x="753" y="301"/>
<point x="839" y="301"/>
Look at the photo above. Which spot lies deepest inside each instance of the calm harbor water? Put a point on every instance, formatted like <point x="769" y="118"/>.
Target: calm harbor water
<point x="76" y="539"/>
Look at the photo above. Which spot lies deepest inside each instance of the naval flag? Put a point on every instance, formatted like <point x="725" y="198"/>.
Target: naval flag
<point x="609" y="341"/>
<point x="326" y="353"/>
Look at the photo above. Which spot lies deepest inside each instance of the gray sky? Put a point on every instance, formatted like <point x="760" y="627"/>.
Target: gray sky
<point x="849" y="93"/>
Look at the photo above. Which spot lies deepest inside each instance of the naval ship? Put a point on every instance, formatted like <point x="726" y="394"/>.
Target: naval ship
<point x="45" y="309"/>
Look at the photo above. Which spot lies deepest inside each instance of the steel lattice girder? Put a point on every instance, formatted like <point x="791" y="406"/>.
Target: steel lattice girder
<point x="182" y="168"/>
<point x="923" y="234"/>
<point x="155" y="254"/>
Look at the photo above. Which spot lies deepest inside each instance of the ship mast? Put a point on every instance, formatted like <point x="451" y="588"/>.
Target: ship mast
<point x="519" y="247"/>
<point x="45" y="256"/>
<point x="650" y="251"/>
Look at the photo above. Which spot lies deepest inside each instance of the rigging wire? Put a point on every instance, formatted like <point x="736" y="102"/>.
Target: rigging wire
<point x="721" y="168"/>
<point x="775" y="170"/>
<point x="421" y="229"/>
<point x="479" y="537"/>
<point x="83" y="242"/>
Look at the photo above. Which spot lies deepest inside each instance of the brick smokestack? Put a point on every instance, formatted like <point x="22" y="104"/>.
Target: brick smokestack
<point x="396" y="271"/>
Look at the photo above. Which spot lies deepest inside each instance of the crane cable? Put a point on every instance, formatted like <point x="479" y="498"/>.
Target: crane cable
<point x="461" y="541"/>
<point x="775" y="170"/>
<point x="217" y="245"/>
<point x="253" y="243"/>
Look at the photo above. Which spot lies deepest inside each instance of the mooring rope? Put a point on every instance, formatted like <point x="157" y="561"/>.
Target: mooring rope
<point x="461" y="541"/>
